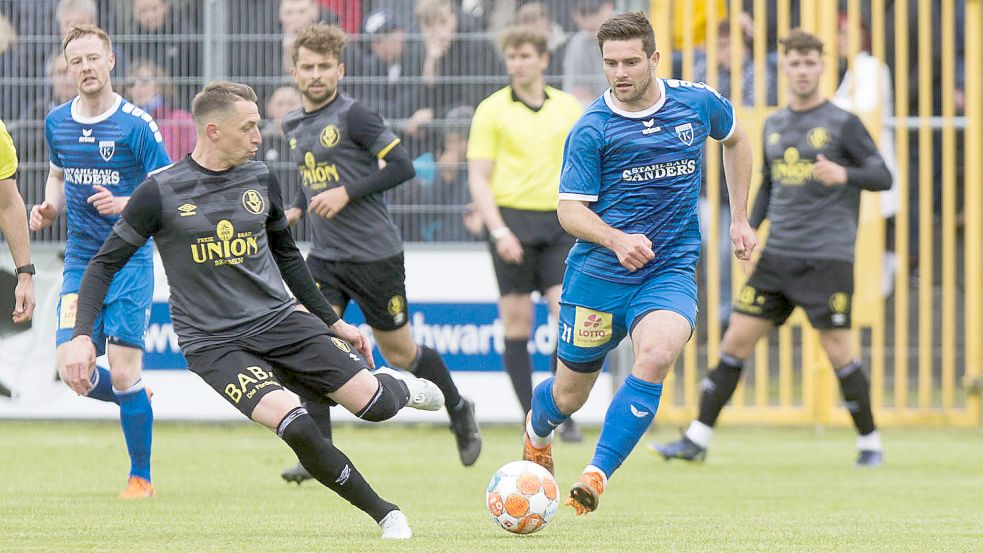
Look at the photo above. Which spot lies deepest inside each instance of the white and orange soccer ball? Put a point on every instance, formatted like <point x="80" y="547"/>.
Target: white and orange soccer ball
<point x="522" y="497"/>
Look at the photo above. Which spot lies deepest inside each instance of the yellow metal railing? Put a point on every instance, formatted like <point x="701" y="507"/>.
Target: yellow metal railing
<point x="923" y="344"/>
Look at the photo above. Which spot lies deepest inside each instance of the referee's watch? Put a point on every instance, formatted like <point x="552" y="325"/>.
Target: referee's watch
<point x="499" y="233"/>
<point x="25" y="269"/>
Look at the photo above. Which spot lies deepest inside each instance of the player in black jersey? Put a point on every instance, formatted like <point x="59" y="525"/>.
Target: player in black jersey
<point x="818" y="159"/>
<point x="356" y="253"/>
<point x="218" y="222"/>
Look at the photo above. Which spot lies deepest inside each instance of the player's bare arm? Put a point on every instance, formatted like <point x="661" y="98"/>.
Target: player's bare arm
<point x="43" y="214"/>
<point x="737" y="169"/>
<point x="479" y="176"/>
<point x="14" y="227"/>
<point x="633" y="250"/>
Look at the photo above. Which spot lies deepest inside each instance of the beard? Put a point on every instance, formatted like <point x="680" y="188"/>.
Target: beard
<point x="318" y="98"/>
<point x="636" y="93"/>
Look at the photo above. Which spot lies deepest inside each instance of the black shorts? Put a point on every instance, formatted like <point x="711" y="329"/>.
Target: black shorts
<point x="298" y="354"/>
<point x="378" y="287"/>
<point x="779" y="284"/>
<point x="545" y="247"/>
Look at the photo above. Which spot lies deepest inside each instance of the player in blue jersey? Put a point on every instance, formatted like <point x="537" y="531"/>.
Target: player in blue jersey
<point x="628" y="192"/>
<point x="102" y="147"/>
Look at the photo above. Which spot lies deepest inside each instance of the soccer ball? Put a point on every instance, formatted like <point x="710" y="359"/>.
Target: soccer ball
<point x="522" y="497"/>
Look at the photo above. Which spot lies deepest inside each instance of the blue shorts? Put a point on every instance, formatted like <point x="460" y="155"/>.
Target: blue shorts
<point x="596" y="314"/>
<point x="125" y="311"/>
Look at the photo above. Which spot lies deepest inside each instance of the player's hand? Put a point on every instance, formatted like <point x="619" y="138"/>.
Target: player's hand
<point x="329" y="203"/>
<point x="743" y="239"/>
<point x="80" y="360"/>
<point x="23" y="299"/>
<point x="354" y="336"/>
<point x="828" y="172"/>
<point x="509" y="249"/>
<point x="104" y="201"/>
<point x="293" y="215"/>
<point x="42" y="216"/>
<point x="633" y="250"/>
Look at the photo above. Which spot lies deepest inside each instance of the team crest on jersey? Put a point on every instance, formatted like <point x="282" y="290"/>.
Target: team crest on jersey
<point x="397" y="306"/>
<point x="685" y="133"/>
<point x="330" y="136"/>
<point x="253" y="201"/>
<point x="106" y="149"/>
<point x="818" y="137"/>
<point x="341" y="344"/>
<point x="839" y="303"/>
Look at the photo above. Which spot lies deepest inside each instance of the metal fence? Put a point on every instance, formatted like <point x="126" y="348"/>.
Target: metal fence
<point x="918" y="304"/>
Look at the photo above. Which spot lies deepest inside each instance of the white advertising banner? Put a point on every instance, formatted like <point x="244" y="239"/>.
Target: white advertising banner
<point x="452" y="295"/>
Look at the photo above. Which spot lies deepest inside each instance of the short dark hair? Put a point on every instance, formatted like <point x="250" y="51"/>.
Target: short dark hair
<point x="219" y="96"/>
<point x="628" y="26"/>
<point x="515" y="37"/>
<point x="321" y="38"/>
<point x="802" y="42"/>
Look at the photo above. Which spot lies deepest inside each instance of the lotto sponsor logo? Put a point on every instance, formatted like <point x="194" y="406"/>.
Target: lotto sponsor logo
<point x="80" y="175"/>
<point x="644" y="173"/>
<point x="591" y="328"/>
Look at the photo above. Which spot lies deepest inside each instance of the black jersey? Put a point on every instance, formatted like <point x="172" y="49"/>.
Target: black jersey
<point x="808" y="219"/>
<point x="340" y="144"/>
<point x="215" y="232"/>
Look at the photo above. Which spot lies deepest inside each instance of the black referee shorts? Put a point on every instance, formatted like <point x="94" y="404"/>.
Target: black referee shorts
<point x="545" y="247"/>
<point x="298" y="354"/>
<point x="378" y="287"/>
<point x="779" y="284"/>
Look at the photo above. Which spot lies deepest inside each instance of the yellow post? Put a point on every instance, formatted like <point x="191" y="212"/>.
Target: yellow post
<point x="901" y="314"/>
<point x="973" y="201"/>
<point x="948" y="209"/>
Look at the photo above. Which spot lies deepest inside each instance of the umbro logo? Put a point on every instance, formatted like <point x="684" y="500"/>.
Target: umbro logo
<point x="87" y="137"/>
<point x="188" y="210"/>
<point x="649" y="127"/>
<point x="635" y="411"/>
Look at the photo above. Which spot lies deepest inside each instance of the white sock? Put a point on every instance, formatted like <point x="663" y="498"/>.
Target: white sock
<point x="537" y="440"/>
<point x="869" y="442"/>
<point x="699" y="434"/>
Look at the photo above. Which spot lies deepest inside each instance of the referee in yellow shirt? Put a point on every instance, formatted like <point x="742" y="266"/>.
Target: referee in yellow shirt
<point x="514" y="155"/>
<point x="13" y="223"/>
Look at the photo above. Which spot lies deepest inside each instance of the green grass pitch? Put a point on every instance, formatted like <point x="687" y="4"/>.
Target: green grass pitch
<point x="762" y="489"/>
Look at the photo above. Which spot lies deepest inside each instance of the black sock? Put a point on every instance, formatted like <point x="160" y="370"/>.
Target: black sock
<point x="430" y="365"/>
<point x="320" y="411"/>
<point x="329" y="466"/>
<point x="856" y="395"/>
<point x="391" y="396"/>
<point x="717" y="387"/>
<point x="519" y="367"/>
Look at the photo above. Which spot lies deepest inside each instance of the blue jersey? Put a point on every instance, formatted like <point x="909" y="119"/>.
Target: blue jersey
<point x="641" y="173"/>
<point x="115" y="149"/>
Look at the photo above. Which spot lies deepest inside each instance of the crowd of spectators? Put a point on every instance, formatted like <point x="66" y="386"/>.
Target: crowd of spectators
<point x="423" y="64"/>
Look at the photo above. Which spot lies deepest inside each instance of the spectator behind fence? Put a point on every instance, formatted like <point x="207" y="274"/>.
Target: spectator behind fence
<point x="385" y="66"/>
<point x="442" y="188"/>
<point x="150" y="92"/>
<point x="448" y="54"/>
<point x="10" y="99"/>
<point x="158" y="26"/>
<point x="583" y="71"/>
<point x="30" y="138"/>
<point x="70" y="13"/>
<point x="536" y="15"/>
<point x="283" y="100"/>
<point x="867" y="91"/>
<point x="723" y="85"/>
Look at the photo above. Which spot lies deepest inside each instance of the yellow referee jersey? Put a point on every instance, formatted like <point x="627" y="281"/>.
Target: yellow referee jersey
<point x="526" y="146"/>
<point x="8" y="155"/>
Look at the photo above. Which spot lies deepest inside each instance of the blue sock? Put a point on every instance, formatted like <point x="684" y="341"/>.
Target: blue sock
<point x="631" y="412"/>
<point x="102" y="386"/>
<point x="545" y="415"/>
<point x="137" y="419"/>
